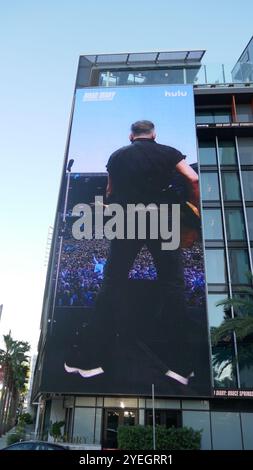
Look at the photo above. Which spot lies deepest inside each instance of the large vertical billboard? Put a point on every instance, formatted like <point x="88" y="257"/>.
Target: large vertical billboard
<point x="130" y="308"/>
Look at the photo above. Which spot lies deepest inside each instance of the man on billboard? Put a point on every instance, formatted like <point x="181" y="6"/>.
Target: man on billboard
<point x="141" y="173"/>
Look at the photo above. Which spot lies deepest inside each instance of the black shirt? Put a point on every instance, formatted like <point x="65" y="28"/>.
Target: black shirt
<point x="142" y="171"/>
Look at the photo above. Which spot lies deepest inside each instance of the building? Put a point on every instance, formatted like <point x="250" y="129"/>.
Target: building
<point x="223" y="109"/>
<point x="243" y="69"/>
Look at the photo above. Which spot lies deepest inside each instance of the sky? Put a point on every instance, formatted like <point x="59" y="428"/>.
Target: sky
<point x="40" y="43"/>
<point x="173" y="117"/>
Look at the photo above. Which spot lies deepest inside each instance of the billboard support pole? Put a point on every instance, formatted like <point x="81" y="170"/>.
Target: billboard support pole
<point x="153" y="413"/>
<point x="67" y="189"/>
<point x="70" y="163"/>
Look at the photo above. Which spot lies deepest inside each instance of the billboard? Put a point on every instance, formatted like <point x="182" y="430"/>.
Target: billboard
<point x="130" y="305"/>
<point x="102" y="119"/>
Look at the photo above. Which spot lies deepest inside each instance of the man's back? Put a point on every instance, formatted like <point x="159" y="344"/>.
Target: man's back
<point x="141" y="171"/>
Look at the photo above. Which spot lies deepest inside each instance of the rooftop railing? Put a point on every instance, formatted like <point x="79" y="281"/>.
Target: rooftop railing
<point x="199" y="75"/>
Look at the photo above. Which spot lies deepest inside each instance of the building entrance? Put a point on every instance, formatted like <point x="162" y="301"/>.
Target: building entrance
<point x="113" y="418"/>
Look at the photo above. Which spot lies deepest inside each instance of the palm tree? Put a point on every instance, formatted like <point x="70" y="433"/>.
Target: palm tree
<point x="241" y="326"/>
<point x="242" y="323"/>
<point x="13" y="360"/>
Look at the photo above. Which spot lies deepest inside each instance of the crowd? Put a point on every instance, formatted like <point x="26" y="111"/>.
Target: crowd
<point x="82" y="264"/>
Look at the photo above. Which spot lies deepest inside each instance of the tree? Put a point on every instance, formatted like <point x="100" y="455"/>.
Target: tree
<point x="241" y="325"/>
<point x="15" y="364"/>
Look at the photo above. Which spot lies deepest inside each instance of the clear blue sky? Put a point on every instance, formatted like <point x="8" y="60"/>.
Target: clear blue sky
<point x="40" y="42"/>
<point x="173" y="117"/>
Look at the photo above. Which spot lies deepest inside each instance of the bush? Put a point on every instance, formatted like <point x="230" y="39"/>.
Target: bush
<point x="14" y="437"/>
<point x="55" y="430"/>
<point x="141" y="438"/>
<point x="25" y="418"/>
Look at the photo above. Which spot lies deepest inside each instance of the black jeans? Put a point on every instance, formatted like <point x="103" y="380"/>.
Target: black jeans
<point x="108" y="327"/>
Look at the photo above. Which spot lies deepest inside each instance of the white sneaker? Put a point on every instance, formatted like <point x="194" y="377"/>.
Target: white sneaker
<point x="86" y="373"/>
<point x="179" y="378"/>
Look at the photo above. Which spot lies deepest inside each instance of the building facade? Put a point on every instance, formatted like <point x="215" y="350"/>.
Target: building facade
<point x="243" y="69"/>
<point x="224" y="121"/>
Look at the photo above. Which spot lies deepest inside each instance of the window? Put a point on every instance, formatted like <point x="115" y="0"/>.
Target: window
<point x="212" y="224"/>
<point x="207" y="153"/>
<point x="215" y="266"/>
<point x="84" y="420"/>
<point x="239" y="266"/>
<point x="244" y="113"/>
<point x="249" y="212"/>
<point x="230" y="186"/>
<point x="223" y="362"/>
<point x="247" y="179"/>
<point x="245" y="360"/>
<point x="199" y="420"/>
<point x="226" y="430"/>
<point x="213" y="116"/>
<point x="235" y="224"/>
<point x="141" y="77"/>
<point x="245" y="146"/>
<point x="167" y="418"/>
<point x="209" y="186"/>
<point x="246" y="419"/>
<point x="216" y="314"/>
<point x="227" y="153"/>
<point x="192" y="74"/>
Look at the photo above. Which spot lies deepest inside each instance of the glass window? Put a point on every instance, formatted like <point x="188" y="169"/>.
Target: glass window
<point x="207" y="153"/>
<point x="226" y="430"/>
<point x="84" y="421"/>
<point x="227" y="153"/>
<point x="120" y="402"/>
<point x="215" y="266"/>
<point x="209" y="186"/>
<point x="204" y="117"/>
<point x="245" y="360"/>
<point x="230" y="186"/>
<point x="129" y="418"/>
<point x="192" y="74"/>
<point x="167" y="418"/>
<point x="245" y="308"/>
<point x="98" y="424"/>
<point x="235" y="224"/>
<point x="195" y="405"/>
<point x="223" y="116"/>
<point x="22" y="446"/>
<point x="249" y="212"/>
<point x="223" y="362"/>
<point x="212" y="224"/>
<point x="244" y="112"/>
<point x="199" y="420"/>
<point x="247" y="180"/>
<point x="247" y="430"/>
<point x="239" y="266"/>
<point x="216" y="314"/>
<point x="245" y="145"/>
<point x="141" y="77"/>
<point x="213" y="116"/>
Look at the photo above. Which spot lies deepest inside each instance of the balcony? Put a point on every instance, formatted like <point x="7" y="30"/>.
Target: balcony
<point x="210" y="75"/>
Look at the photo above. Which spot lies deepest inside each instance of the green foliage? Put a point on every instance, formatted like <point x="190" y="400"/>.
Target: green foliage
<point x="25" y="418"/>
<point x="141" y="438"/>
<point x="20" y="428"/>
<point x="242" y="323"/>
<point x="55" y="429"/>
<point x="15" y="437"/>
